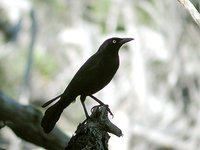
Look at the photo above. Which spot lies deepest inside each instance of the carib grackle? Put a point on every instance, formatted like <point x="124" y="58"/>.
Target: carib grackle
<point x="94" y="75"/>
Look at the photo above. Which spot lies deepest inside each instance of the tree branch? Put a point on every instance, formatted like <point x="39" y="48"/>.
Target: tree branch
<point x="24" y="120"/>
<point x="93" y="133"/>
<point x="192" y="10"/>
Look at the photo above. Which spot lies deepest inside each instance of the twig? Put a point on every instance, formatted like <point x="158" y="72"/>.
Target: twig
<point x="192" y="10"/>
<point x="25" y="120"/>
<point x="24" y="93"/>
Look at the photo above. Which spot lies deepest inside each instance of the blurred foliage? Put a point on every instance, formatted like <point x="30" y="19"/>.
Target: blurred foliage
<point x="46" y="64"/>
<point x="155" y="94"/>
<point x="12" y="68"/>
<point x="144" y="16"/>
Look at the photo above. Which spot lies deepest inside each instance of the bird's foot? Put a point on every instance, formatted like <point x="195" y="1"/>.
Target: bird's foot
<point x="101" y="104"/>
<point x="107" y="108"/>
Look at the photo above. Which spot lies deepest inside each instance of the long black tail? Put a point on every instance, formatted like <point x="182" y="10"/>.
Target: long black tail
<point x="53" y="113"/>
<point x="51" y="101"/>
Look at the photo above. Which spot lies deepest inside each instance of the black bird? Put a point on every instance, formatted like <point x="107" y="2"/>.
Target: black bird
<point x="94" y="75"/>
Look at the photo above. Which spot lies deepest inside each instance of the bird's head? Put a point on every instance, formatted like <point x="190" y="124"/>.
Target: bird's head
<point x="113" y="45"/>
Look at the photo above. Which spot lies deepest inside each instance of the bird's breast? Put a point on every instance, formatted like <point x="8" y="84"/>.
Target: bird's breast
<point x="108" y="67"/>
<point x="105" y="72"/>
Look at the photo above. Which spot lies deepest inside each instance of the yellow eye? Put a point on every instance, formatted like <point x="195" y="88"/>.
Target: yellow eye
<point x="114" y="41"/>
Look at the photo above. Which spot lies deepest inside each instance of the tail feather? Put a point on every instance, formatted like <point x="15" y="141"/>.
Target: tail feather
<point x="51" y="101"/>
<point x="53" y="113"/>
<point x="51" y="116"/>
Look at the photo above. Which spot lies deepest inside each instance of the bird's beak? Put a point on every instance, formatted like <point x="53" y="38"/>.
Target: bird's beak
<point x="125" y="40"/>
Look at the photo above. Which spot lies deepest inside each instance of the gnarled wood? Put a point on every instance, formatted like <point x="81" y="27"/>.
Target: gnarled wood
<point x="93" y="132"/>
<point x="24" y="120"/>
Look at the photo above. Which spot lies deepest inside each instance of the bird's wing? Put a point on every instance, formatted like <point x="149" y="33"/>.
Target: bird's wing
<point x="88" y="69"/>
<point x="86" y="75"/>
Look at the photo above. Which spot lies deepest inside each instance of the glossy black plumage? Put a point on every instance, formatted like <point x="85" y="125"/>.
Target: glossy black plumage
<point x="94" y="75"/>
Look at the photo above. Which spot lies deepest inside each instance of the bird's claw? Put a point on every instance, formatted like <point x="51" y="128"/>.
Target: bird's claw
<point x="107" y="108"/>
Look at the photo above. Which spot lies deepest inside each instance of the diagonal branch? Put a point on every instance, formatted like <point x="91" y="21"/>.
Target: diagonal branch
<point x="192" y="10"/>
<point x="24" y="120"/>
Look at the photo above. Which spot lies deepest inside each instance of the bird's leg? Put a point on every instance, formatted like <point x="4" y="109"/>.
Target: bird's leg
<point x="97" y="100"/>
<point x="83" y="104"/>
<point x="101" y="103"/>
